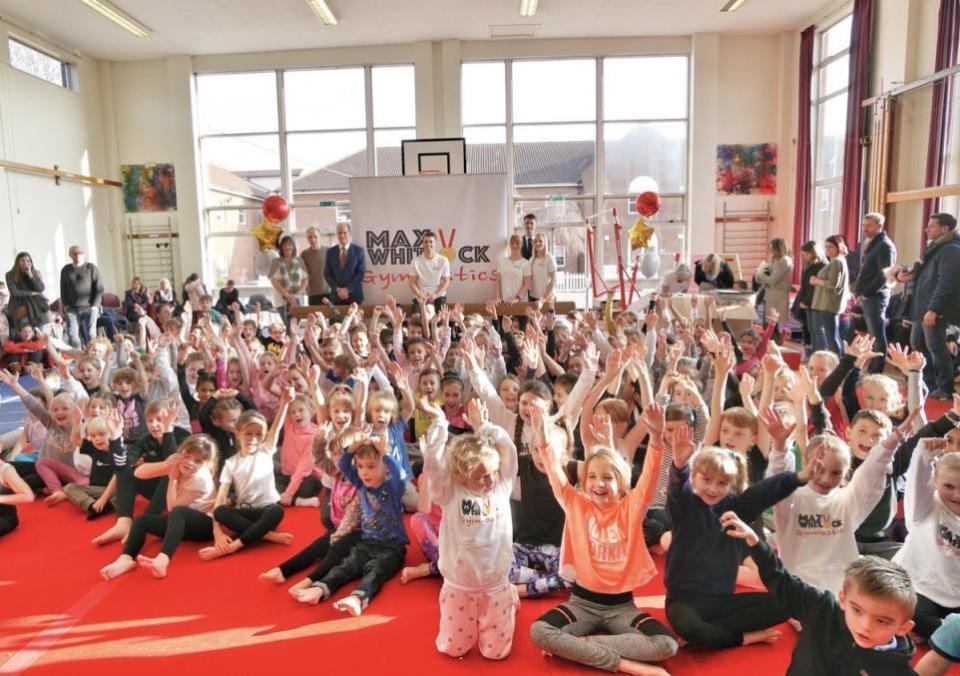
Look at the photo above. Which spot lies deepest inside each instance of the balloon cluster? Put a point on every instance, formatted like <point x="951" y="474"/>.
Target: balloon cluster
<point x="643" y="240"/>
<point x="275" y="210"/>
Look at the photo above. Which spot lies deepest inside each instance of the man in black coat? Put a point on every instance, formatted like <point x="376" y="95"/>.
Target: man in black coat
<point x="877" y="255"/>
<point x="526" y="243"/>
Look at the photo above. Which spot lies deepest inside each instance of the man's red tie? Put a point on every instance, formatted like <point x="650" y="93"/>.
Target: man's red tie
<point x="343" y="257"/>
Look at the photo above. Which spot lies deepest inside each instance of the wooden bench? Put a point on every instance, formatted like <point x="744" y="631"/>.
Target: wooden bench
<point x="508" y="309"/>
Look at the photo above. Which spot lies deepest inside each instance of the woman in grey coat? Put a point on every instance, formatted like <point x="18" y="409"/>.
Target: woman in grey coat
<point x="775" y="277"/>
<point x="829" y="297"/>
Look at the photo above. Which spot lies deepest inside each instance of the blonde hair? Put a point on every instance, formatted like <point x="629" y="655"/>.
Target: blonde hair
<point x="832" y="443"/>
<point x="740" y="417"/>
<point x="384" y="399"/>
<point x="252" y="417"/>
<point x="615" y="462"/>
<point x="831" y="360"/>
<point x="339" y="400"/>
<point x="97" y="424"/>
<point x="949" y="462"/>
<point x="711" y="460"/>
<point x="466" y="452"/>
<point x="889" y="385"/>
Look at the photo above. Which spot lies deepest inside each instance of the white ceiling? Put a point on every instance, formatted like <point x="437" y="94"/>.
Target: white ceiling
<point x="232" y="26"/>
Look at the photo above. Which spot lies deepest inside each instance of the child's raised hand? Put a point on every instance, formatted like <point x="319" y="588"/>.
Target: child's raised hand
<point x="724" y="360"/>
<point x="7" y="378"/>
<point x="747" y="383"/>
<point x="773" y="316"/>
<point x="77" y="414"/>
<point x="653" y="416"/>
<point x="933" y="446"/>
<point x="395" y="372"/>
<point x="603" y="429"/>
<point x="591" y="357"/>
<point x="683" y="444"/>
<point x="114" y="424"/>
<point x="773" y="423"/>
<point x="956" y="404"/>
<point x="476" y="413"/>
<point x="172" y="464"/>
<point x="814" y="466"/>
<point x="903" y="430"/>
<point x="429" y="408"/>
<point x="614" y="363"/>
<point x="288" y="395"/>
<point x="771" y="364"/>
<point x="734" y="526"/>
<point x="168" y="417"/>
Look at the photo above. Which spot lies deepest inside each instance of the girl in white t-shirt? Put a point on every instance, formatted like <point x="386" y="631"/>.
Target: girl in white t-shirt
<point x="472" y="482"/>
<point x="515" y="276"/>
<point x="257" y="511"/>
<point x="190" y="498"/>
<point x="543" y="270"/>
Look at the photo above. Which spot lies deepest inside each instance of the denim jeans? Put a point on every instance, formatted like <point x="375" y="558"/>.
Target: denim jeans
<point x="874" y="310"/>
<point x="81" y="326"/>
<point x="825" y="331"/>
<point x="938" y="373"/>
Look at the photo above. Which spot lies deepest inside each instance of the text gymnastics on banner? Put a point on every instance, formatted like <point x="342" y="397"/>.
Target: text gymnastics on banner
<point x="468" y="213"/>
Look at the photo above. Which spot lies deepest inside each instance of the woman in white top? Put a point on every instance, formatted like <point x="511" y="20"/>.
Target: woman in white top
<point x="21" y="494"/>
<point x="543" y="267"/>
<point x="677" y="280"/>
<point x="515" y="276"/>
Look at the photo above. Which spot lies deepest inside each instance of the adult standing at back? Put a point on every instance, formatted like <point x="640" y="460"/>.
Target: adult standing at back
<point x="431" y="275"/>
<point x="288" y="275"/>
<point x="935" y="301"/>
<point x="81" y="289"/>
<point x="27" y="302"/>
<point x="543" y="269"/>
<point x="515" y="274"/>
<point x="774" y="277"/>
<point x="829" y="297"/>
<point x="314" y="258"/>
<point x="346" y="265"/>
<point x="529" y="232"/>
<point x="877" y="254"/>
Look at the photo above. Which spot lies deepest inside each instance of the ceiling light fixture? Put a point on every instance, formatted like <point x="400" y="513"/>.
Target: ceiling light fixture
<point x="323" y="12"/>
<point x="119" y="17"/>
<point x="732" y="5"/>
<point x="528" y="7"/>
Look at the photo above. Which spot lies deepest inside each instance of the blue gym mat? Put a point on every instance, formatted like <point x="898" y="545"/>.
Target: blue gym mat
<point x="12" y="410"/>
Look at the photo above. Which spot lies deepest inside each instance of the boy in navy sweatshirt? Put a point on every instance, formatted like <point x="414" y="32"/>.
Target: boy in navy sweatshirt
<point x="864" y="631"/>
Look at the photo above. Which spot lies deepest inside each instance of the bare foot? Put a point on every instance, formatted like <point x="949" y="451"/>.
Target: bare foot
<point x="119" y="531"/>
<point x="300" y="586"/>
<point x="665" y="540"/>
<point x="352" y="604"/>
<point x="521" y="590"/>
<point x="157" y="565"/>
<point x="216" y="551"/>
<point x="279" y="538"/>
<point x="761" y="636"/>
<point x="414" y="572"/>
<point x="311" y="595"/>
<point x="630" y="667"/>
<point x="55" y="498"/>
<point x="123" y="564"/>
<point x="307" y="502"/>
<point x="795" y="624"/>
<point x="273" y="575"/>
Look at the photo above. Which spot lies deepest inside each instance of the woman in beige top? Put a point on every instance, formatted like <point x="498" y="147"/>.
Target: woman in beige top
<point x="775" y="276"/>
<point x="829" y="297"/>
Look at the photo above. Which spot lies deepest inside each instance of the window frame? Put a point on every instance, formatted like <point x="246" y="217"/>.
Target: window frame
<point x="68" y="74"/>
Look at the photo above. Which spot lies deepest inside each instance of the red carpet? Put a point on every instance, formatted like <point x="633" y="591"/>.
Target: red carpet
<point x="58" y="617"/>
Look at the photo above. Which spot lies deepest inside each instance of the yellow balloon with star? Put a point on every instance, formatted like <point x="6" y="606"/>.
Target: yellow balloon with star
<point x="640" y="234"/>
<point x="267" y="234"/>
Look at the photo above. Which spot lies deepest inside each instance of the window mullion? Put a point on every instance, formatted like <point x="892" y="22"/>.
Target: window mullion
<point x="286" y="185"/>
<point x="368" y="109"/>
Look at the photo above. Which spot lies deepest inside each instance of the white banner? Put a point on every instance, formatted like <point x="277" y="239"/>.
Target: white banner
<point x="468" y="213"/>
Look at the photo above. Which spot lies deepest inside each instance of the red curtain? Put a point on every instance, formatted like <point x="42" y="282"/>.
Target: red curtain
<point x="804" y="199"/>
<point x="851" y="200"/>
<point x="948" y="40"/>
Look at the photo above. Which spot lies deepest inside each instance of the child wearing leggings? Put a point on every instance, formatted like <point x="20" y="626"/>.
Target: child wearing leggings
<point x="189" y="501"/>
<point x="702" y="562"/>
<point x="605" y="554"/>
<point x="250" y="474"/>
<point x="10" y="480"/>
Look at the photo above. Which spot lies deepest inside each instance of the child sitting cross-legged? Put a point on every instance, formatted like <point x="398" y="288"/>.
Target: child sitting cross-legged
<point x="861" y="630"/>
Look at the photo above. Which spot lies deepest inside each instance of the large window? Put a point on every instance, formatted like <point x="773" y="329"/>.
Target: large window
<point x="829" y="90"/>
<point x="39" y="64"/>
<point x="543" y="123"/>
<point x="327" y="126"/>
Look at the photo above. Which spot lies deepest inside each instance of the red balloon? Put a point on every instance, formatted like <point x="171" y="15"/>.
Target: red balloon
<point x="648" y="203"/>
<point x="275" y="208"/>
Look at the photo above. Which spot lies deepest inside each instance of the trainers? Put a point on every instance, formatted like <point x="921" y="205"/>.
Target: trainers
<point x="940" y="394"/>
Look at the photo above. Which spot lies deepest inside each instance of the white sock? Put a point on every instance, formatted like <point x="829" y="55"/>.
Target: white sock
<point x="307" y="502"/>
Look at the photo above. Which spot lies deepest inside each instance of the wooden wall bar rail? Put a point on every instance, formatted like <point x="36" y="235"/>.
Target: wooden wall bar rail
<point x="508" y="309"/>
<point x="57" y="174"/>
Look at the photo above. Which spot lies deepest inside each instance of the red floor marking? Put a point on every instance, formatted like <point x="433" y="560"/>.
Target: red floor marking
<point x="60" y="626"/>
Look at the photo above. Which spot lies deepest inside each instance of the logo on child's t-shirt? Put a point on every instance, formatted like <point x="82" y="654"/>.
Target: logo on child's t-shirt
<point x="606" y="543"/>
<point x="947" y="540"/>
<point x="819" y="524"/>
<point x="475" y="511"/>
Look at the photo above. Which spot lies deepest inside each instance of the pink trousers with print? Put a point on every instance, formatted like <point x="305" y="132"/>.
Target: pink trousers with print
<point x="486" y="619"/>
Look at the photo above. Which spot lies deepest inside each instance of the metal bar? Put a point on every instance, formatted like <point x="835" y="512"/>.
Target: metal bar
<point x="923" y="193"/>
<point x="915" y="84"/>
<point x="57" y="174"/>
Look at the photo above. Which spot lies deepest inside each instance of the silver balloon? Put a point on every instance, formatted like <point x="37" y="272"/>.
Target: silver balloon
<point x="649" y="258"/>
<point x="263" y="261"/>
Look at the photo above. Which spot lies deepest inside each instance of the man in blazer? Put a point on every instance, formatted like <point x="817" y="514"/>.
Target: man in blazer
<point x="526" y="243"/>
<point x="877" y="255"/>
<point x="345" y="266"/>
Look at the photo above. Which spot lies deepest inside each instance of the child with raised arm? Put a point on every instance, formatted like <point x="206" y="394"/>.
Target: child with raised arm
<point x="931" y="552"/>
<point x="250" y="474"/>
<point x="702" y="562"/>
<point x="471" y="481"/>
<point x="604" y="555"/>
<point x="379" y="555"/>
<point x="862" y="630"/>
<point x="816" y="524"/>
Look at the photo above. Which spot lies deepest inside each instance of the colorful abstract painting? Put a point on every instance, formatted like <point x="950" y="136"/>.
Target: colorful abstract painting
<point x="747" y="169"/>
<point x="149" y="187"/>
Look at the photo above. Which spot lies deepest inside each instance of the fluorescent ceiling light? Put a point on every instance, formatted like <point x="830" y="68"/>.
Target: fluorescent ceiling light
<point x="323" y="12"/>
<point x="732" y="5"/>
<point x="118" y="16"/>
<point x="528" y="7"/>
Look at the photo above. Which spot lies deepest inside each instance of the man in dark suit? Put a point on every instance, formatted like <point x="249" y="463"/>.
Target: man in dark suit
<point x="345" y="266"/>
<point x="526" y="243"/>
<point x="877" y="255"/>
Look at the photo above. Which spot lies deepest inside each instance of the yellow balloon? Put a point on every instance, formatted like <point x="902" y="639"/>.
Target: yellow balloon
<point x="640" y="234"/>
<point x="267" y="234"/>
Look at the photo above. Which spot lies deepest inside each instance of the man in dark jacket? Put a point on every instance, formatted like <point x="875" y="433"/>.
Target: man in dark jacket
<point x="877" y="255"/>
<point x="80" y="292"/>
<point x="935" y="301"/>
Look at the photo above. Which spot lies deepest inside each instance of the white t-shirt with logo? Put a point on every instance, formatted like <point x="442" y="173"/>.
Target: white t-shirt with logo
<point x="431" y="272"/>
<point x="511" y="276"/>
<point x="542" y="268"/>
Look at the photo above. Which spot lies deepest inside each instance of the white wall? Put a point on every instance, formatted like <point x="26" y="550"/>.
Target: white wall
<point x="47" y="125"/>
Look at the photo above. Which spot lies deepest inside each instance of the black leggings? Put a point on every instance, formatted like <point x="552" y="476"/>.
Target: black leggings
<point x="129" y="487"/>
<point x="656" y="523"/>
<point x="249" y="523"/>
<point x="929" y="616"/>
<point x="721" y="620"/>
<point x="27" y="470"/>
<point x="376" y="562"/>
<point x="182" y="523"/>
<point x="309" y="487"/>
<point x="323" y="552"/>
<point x="8" y="518"/>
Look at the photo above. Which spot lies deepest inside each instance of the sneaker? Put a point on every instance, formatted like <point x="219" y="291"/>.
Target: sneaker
<point x="940" y="394"/>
